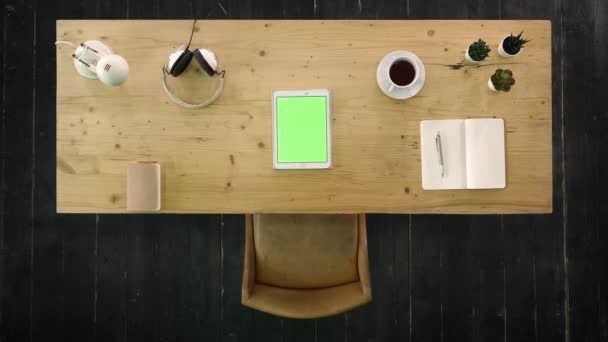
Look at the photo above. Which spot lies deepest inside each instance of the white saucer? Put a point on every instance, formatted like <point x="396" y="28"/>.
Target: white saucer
<point x="399" y="93"/>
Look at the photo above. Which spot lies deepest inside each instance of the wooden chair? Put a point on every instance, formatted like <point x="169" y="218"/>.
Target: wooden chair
<point x="305" y="266"/>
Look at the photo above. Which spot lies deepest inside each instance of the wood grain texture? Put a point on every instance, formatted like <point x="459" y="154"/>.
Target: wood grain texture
<point x="218" y="159"/>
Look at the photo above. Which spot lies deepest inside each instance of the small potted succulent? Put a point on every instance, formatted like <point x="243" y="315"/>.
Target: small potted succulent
<point x="477" y="52"/>
<point x="511" y="45"/>
<point x="502" y="80"/>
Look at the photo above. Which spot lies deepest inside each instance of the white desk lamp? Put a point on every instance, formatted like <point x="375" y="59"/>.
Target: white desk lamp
<point x="95" y="60"/>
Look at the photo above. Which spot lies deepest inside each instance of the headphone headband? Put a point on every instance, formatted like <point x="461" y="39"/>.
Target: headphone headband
<point x="188" y="105"/>
<point x="179" y="61"/>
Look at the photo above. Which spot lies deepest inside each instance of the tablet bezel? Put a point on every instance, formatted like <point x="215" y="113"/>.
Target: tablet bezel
<point x="301" y="93"/>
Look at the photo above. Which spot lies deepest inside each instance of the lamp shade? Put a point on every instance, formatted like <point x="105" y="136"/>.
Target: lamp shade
<point x="112" y="70"/>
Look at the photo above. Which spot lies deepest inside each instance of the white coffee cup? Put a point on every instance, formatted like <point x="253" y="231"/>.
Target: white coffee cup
<point x="393" y="75"/>
<point x="391" y="85"/>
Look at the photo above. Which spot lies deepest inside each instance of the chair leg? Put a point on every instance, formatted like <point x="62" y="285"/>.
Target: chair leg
<point x="362" y="257"/>
<point x="249" y="262"/>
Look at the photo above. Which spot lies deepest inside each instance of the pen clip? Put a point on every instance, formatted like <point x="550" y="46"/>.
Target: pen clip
<point x="438" y="141"/>
<point x="439" y="147"/>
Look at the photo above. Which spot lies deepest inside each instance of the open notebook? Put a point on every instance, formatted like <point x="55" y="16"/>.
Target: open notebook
<point x="473" y="152"/>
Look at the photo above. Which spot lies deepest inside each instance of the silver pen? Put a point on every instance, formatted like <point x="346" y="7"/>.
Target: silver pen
<point x="440" y="153"/>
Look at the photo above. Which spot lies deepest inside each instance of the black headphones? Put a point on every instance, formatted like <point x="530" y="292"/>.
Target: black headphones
<point x="179" y="61"/>
<point x="205" y="58"/>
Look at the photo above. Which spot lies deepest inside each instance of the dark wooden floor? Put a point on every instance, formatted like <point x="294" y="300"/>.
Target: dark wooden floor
<point x="177" y="277"/>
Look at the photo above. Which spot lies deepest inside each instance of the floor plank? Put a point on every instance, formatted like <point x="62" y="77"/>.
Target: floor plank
<point x="339" y="9"/>
<point x="386" y="318"/>
<point x="489" y="278"/>
<point x="267" y="327"/>
<point x="426" y="274"/>
<point x="402" y="250"/>
<point x="332" y="328"/>
<point x="142" y="277"/>
<point x="600" y="36"/>
<point x="190" y="277"/>
<point x="176" y="9"/>
<point x="110" y="297"/>
<point x="17" y="172"/>
<point x="299" y="330"/>
<point x="143" y="9"/>
<point x="79" y="266"/>
<point x="223" y="9"/>
<point x="457" y="291"/>
<point x="585" y="123"/>
<point x="520" y="276"/>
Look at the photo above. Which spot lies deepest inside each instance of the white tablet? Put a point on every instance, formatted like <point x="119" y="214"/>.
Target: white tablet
<point x="301" y="129"/>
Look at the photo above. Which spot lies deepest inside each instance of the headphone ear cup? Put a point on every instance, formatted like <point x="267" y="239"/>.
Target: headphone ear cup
<point x="204" y="63"/>
<point x="181" y="63"/>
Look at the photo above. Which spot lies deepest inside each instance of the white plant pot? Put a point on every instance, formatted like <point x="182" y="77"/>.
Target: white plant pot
<point x="468" y="58"/>
<point x="503" y="53"/>
<point x="491" y="85"/>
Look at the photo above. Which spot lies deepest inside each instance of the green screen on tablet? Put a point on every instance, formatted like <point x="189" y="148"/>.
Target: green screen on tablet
<point x="301" y="129"/>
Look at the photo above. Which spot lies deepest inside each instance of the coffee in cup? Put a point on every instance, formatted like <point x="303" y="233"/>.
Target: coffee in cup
<point x="400" y="75"/>
<point x="402" y="72"/>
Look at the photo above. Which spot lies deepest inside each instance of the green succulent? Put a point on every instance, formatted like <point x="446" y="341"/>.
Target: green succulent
<point x="513" y="44"/>
<point x="503" y="79"/>
<point x="479" y="50"/>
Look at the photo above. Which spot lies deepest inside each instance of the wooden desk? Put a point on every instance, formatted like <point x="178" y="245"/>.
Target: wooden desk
<point x="219" y="159"/>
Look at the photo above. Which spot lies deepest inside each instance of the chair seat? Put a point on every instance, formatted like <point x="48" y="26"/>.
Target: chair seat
<point x="305" y="251"/>
<point x="307" y="303"/>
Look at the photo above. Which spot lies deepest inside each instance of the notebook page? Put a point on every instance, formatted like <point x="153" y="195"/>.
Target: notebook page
<point x="452" y="142"/>
<point x="485" y="153"/>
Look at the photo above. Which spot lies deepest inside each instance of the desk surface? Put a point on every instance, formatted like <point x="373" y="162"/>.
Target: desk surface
<point x="219" y="159"/>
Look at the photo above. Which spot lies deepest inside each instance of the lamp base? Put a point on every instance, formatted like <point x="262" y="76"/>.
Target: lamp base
<point x="82" y="69"/>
